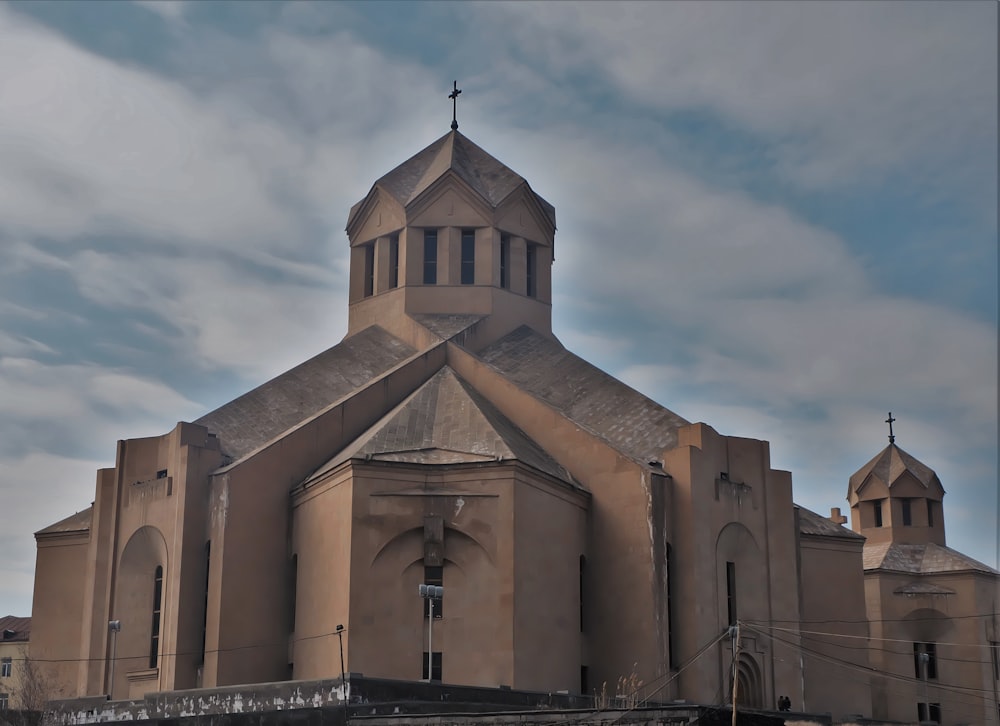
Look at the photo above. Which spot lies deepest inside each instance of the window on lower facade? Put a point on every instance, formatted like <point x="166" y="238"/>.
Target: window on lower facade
<point x="434" y="575"/>
<point x="430" y="256"/>
<point x="468" y="256"/>
<point x="925" y="661"/>
<point x="369" y="269"/>
<point x="731" y="592"/>
<point x="532" y="271"/>
<point x="154" y="639"/>
<point x="435" y="674"/>
<point x="4" y="699"/>
<point x="930" y="513"/>
<point x="877" y="508"/>
<point x="6" y="667"/>
<point x="394" y="261"/>
<point x="929" y="712"/>
<point x="505" y="261"/>
<point x="907" y="511"/>
<point x="995" y="650"/>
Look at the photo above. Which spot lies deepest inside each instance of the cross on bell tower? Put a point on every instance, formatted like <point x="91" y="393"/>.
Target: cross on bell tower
<point x="454" y="104"/>
<point x="890" y="421"/>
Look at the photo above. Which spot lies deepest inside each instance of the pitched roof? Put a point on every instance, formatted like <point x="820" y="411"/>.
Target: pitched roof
<point x="445" y="421"/>
<point x="79" y="522"/>
<point x="267" y="411"/>
<point x="919" y="559"/>
<point x="817" y="524"/>
<point x="487" y="176"/>
<point x="20" y="627"/>
<point x="446" y="325"/>
<point x="636" y="426"/>
<point x="890" y="464"/>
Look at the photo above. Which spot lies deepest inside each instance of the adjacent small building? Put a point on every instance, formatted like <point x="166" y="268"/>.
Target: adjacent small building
<point x="15" y="635"/>
<point x="582" y="532"/>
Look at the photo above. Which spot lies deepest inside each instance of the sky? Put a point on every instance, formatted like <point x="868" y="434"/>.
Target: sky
<point x="776" y="218"/>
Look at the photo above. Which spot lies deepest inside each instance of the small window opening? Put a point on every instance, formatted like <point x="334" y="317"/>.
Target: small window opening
<point x="925" y="661"/>
<point x="430" y="256"/>
<point x="6" y="667"/>
<point x="532" y="271"/>
<point x="435" y="674"/>
<point x="929" y="712"/>
<point x="930" y="513"/>
<point x="394" y="261"/>
<point x="505" y="261"/>
<point x="434" y="575"/>
<point x="468" y="256"/>
<point x="583" y="567"/>
<point x="369" y="270"/>
<point x="161" y="474"/>
<point x="877" y="507"/>
<point x="907" y="509"/>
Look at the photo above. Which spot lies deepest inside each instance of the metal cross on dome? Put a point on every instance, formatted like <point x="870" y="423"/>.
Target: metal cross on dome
<point x="890" y="420"/>
<point x="454" y="104"/>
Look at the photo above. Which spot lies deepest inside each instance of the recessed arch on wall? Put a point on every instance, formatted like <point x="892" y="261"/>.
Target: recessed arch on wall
<point x="411" y="541"/>
<point x="141" y="586"/>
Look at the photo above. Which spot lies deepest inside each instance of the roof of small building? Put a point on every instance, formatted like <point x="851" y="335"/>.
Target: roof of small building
<point x="447" y="422"/>
<point x="816" y="524"/>
<point x="79" y="522"/>
<point x="253" y="419"/>
<point x="890" y="464"/>
<point x="20" y="627"/>
<point x="919" y="559"/>
<point x="488" y="177"/>
<point x="595" y="401"/>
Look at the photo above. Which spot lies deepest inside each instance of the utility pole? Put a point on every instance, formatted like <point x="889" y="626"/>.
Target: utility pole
<point x="736" y="659"/>
<point x="343" y="678"/>
<point x="114" y="627"/>
<point x="430" y="593"/>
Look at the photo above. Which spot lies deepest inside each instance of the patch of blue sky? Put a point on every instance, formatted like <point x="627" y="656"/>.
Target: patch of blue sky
<point x="118" y="30"/>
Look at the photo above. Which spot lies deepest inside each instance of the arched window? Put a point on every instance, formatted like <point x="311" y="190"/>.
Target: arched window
<point x="154" y="640"/>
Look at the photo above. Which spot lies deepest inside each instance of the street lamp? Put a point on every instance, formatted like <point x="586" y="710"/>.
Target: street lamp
<point x="343" y="677"/>
<point x="430" y="593"/>
<point x="114" y="627"/>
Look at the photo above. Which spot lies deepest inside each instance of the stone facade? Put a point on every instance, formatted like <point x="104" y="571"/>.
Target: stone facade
<point x="582" y="532"/>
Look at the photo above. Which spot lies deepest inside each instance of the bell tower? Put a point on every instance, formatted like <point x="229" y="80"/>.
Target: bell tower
<point x="897" y="498"/>
<point x="451" y="231"/>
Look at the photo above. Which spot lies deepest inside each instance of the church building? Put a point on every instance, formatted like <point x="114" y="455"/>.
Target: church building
<point x="580" y="531"/>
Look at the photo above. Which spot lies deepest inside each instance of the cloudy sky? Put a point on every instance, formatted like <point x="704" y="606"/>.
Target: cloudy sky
<point x="779" y="219"/>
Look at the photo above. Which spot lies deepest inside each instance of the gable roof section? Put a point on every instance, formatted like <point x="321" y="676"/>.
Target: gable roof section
<point x="921" y="559"/>
<point x="79" y="522"/>
<point x="484" y="174"/>
<point x="890" y="464"/>
<point x="632" y="424"/>
<point x="259" y="416"/>
<point x="21" y="627"/>
<point x="818" y="525"/>
<point x="445" y="421"/>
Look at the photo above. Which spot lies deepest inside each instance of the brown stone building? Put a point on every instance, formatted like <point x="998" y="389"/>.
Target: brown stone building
<point x="581" y="531"/>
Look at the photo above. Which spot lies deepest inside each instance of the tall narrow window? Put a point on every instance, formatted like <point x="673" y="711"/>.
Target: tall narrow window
<point x="671" y="651"/>
<point x="204" y="618"/>
<point x="154" y="639"/>
<point x="907" y="512"/>
<point x="6" y="667"/>
<point x="430" y="256"/>
<point x="369" y="270"/>
<point x="434" y="575"/>
<point x="394" y="261"/>
<point x="930" y="512"/>
<point x="505" y="261"/>
<point x="584" y="680"/>
<point x="583" y="567"/>
<point x="435" y="674"/>
<point x="877" y="507"/>
<point x="468" y="256"/>
<point x="4" y="700"/>
<point x="731" y="591"/>
<point x="532" y="271"/>
<point x="293" y="588"/>
<point x="995" y="649"/>
<point x="925" y="661"/>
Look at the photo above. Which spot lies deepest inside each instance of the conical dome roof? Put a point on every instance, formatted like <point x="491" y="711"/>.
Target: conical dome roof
<point x="889" y="465"/>
<point x="488" y="177"/>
